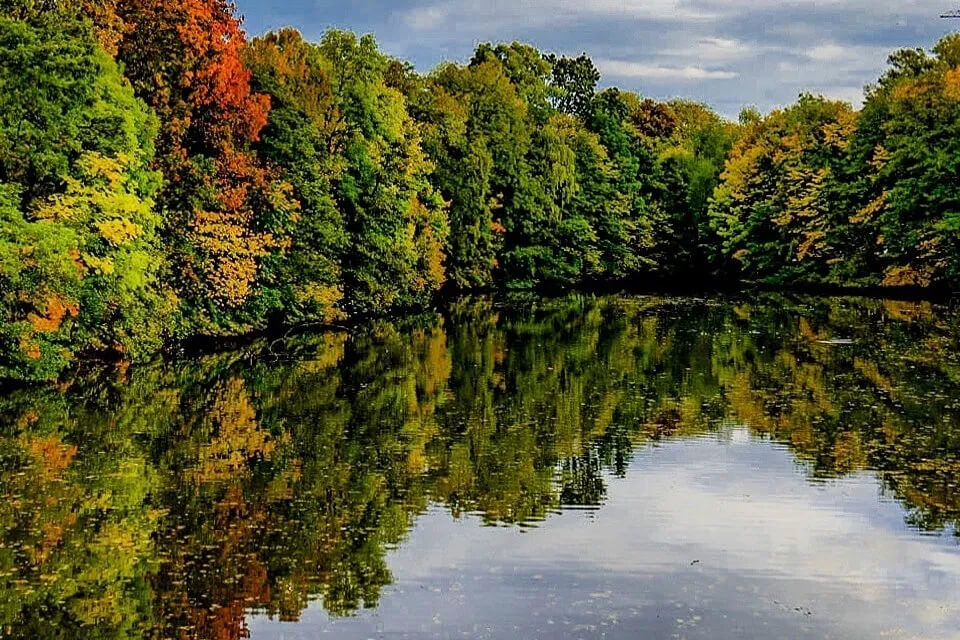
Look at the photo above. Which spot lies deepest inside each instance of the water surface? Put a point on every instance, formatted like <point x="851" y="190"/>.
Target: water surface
<point x="617" y="467"/>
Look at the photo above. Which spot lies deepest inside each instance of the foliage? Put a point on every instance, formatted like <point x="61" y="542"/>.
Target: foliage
<point x="47" y="71"/>
<point x="305" y="137"/>
<point x="224" y="212"/>
<point x="162" y="178"/>
<point x="396" y="221"/>
<point x="473" y="124"/>
<point x="80" y="262"/>
<point x="690" y="162"/>
<point x="575" y="83"/>
<point x="905" y="158"/>
<point x="776" y="211"/>
<point x="631" y="230"/>
<point x="820" y="194"/>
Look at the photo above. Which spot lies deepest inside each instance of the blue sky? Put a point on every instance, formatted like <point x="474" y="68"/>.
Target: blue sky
<point x="727" y="53"/>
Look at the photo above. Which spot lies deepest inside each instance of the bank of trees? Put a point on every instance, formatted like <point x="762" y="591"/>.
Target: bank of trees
<point x="162" y="176"/>
<point x="818" y="193"/>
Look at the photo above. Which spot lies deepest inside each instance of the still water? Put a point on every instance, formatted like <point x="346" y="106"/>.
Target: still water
<point x="612" y="467"/>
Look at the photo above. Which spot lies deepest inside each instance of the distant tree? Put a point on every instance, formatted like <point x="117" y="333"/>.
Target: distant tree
<point x="690" y="163"/>
<point x="305" y="139"/>
<point x="906" y="163"/>
<point x="653" y="120"/>
<point x="778" y="209"/>
<point x="575" y="83"/>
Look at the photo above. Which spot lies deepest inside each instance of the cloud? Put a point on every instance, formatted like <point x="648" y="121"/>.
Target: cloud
<point x="546" y="12"/>
<point x="835" y="70"/>
<point x="727" y="53"/>
<point x="850" y="56"/>
<point x="626" y="69"/>
<point x="427" y="18"/>
<point x="499" y="13"/>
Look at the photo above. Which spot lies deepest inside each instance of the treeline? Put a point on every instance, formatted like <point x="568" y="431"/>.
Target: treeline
<point x="161" y="177"/>
<point x="818" y="193"/>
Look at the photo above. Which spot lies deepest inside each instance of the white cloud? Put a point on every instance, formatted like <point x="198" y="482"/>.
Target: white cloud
<point x="756" y="52"/>
<point x="833" y="69"/>
<point x="645" y="70"/>
<point x="714" y="49"/>
<point x="827" y="53"/>
<point x="427" y="18"/>
<point x="494" y="14"/>
<point x="453" y="13"/>
<point x="850" y="56"/>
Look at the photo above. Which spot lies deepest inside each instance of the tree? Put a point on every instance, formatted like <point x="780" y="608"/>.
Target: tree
<point x="631" y="234"/>
<point x="305" y="139"/>
<point x="396" y="220"/>
<point x="778" y="208"/>
<point x="224" y="212"/>
<point x="905" y="159"/>
<point x="47" y="66"/>
<point x="80" y="261"/>
<point x="476" y="132"/>
<point x="575" y="82"/>
<point x="690" y="162"/>
<point x="528" y="70"/>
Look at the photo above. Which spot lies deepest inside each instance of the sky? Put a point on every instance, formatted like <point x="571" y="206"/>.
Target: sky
<point x="729" y="54"/>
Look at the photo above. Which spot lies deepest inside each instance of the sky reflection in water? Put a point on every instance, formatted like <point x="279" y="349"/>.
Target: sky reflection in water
<point x="707" y="537"/>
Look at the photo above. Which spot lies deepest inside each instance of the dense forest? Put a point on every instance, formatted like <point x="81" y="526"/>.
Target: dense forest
<point x="162" y="177"/>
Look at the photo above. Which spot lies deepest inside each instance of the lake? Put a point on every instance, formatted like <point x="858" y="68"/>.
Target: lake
<point x="582" y="467"/>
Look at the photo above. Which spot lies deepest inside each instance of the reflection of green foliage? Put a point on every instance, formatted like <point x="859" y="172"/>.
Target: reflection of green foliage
<point x="267" y="478"/>
<point x="76" y="525"/>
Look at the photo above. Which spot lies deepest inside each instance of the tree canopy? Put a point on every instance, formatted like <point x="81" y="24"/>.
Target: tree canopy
<point x="164" y="177"/>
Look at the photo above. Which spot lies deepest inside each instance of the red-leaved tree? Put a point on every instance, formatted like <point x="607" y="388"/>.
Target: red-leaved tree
<point x="224" y="210"/>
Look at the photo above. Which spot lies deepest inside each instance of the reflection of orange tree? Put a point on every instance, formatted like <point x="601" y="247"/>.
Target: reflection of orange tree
<point x="288" y="482"/>
<point x="210" y="571"/>
<point x="74" y="529"/>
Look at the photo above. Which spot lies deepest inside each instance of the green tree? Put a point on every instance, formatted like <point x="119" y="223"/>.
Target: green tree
<point x="778" y="208"/>
<point x="905" y="157"/>
<point x="81" y="265"/>
<point x="305" y="137"/>
<point x="575" y="83"/>
<point x="690" y="163"/>
<point x="397" y="222"/>
<point x="476" y="132"/>
<point x="631" y="231"/>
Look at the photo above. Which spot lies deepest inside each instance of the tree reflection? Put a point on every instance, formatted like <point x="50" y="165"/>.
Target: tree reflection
<point x="170" y="501"/>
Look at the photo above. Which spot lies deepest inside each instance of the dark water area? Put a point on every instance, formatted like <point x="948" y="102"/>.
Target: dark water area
<point x="579" y="467"/>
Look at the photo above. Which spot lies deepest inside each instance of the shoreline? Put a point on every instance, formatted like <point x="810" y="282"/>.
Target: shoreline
<point x="200" y="345"/>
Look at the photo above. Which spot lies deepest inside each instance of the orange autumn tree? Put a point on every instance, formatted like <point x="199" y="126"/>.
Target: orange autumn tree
<point x="225" y="213"/>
